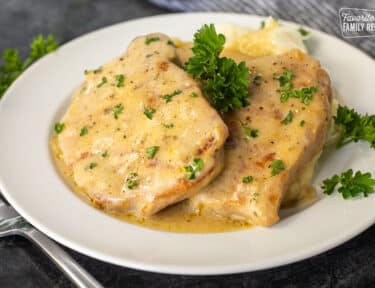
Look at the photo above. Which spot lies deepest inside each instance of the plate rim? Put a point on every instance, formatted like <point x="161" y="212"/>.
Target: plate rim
<point x="177" y="268"/>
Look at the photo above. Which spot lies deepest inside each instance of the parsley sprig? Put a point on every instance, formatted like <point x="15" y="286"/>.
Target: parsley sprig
<point x="13" y="65"/>
<point x="352" y="185"/>
<point x="224" y="82"/>
<point x="354" y="126"/>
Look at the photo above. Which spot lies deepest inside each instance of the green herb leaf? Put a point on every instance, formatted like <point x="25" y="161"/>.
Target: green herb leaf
<point x="225" y="83"/>
<point x="352" y="185"/>
<point x="277" y="166"/>
<point x="288" y="118"/>
<point x="168" y="97"/>
<point x="168" y="126"/>
<point x="171" y="43"/>
<point x="257" y="80"/>
<point x="59" y="127"/>
<point x="302" y="123"/>
<point x="105" y="154"/>
<point x="151" y="151"/>
<point x="13" y="65"/>
<point x="151" y="39"/>
<point x="84" y="131"/>
<point x="92" y="165"/>
<point x="286" y="89"/>
<point x="247" y="179"/>
<point x="194" y="168"/>
<point x="102" y="82"/>
<point x="194" y="95"/>
<point x="250" y="132"/>
<point x="132" y="181"/>
<point x="119" y="80"/>
<point x="354" y="126"/>
<point x="117" y="110"/>
<point x="149" y="112"/>
<point x="303" y="32"/>
<point x="262" y="24"/>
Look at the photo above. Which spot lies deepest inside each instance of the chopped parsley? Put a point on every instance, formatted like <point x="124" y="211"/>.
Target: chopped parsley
<point x="117" y="110"/>
<point x="302" y="123"/>
<point x="171" y="43"/>
<point x="102" y="82"/>
<point x="352" y="185"/>
<point x="98" y="70"/>
<point x="119" y="80"/>
<point x="303" y="32"/>
<point x="194" y="168"/>
<point x="257" y="80"/>
<point x="84" y="131"/>
<point x="168" y="126"/>
<point x="92" y="165"/>
<point x="286" y="89"/>
<point x="288" y="118"/>
<point x="59" y="127"/>
<point x="13" y="65"/>
<point x="354" y="126"/>
<point x="105" y="154"/>
<point x="262" y="24"/>
<point x="149" y="112"/>
<point x="151" y="39"/>
<point x="194" y="95"/>
<point x="168" y="97"/>
<point x="247" y="179"/>
<point x="151" y="151"/>
<point x="224" y="82"/>
<point x="132" y="181"/>
<point x="250" y="132"/>
<point x="277" y="166"/>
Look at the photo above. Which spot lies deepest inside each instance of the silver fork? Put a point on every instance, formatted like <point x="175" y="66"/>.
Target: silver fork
<point x="11" y="223"/>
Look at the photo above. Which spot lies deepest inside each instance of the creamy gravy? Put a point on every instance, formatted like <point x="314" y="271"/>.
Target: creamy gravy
<point x="175" y="218"/>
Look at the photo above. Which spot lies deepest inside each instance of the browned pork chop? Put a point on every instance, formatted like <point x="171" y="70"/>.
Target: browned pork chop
<point x="133" y="127"/>
<point x="246" y="190"/>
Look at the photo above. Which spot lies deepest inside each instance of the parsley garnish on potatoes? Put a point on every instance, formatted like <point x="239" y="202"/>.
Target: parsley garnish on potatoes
<point x="225" y="83"/>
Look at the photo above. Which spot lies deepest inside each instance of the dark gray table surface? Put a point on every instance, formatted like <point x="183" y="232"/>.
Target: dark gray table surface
<point x="22" y="265"/>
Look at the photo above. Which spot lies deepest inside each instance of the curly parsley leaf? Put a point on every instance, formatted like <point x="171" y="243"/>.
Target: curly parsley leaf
<point x="354" y="126"/>
<point x="352" y="185"/>
<point x="225" y="83"/>
<point x="13" y="65"/>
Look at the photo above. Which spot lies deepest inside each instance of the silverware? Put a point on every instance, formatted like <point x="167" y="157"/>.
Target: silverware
<point x="11" y="223"/>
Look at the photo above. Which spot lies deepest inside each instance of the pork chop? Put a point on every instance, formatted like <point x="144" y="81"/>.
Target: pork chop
<point x="268" y="155"/>
<point x="139" y="135"/>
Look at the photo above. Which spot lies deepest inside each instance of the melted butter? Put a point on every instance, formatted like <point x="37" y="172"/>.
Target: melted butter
<point x="175" y="218"/>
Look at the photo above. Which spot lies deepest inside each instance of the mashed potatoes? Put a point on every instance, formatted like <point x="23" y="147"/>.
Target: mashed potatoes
<point x="270" y="40"/>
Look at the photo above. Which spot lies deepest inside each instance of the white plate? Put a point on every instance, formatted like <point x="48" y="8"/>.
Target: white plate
<point x="32" y="185"/>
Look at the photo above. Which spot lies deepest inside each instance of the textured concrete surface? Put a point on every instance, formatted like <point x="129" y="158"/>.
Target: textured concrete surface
<point x="22" y="265"/>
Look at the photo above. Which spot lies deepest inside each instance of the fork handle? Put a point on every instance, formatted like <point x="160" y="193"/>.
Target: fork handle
<point x="63" y="260"/>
